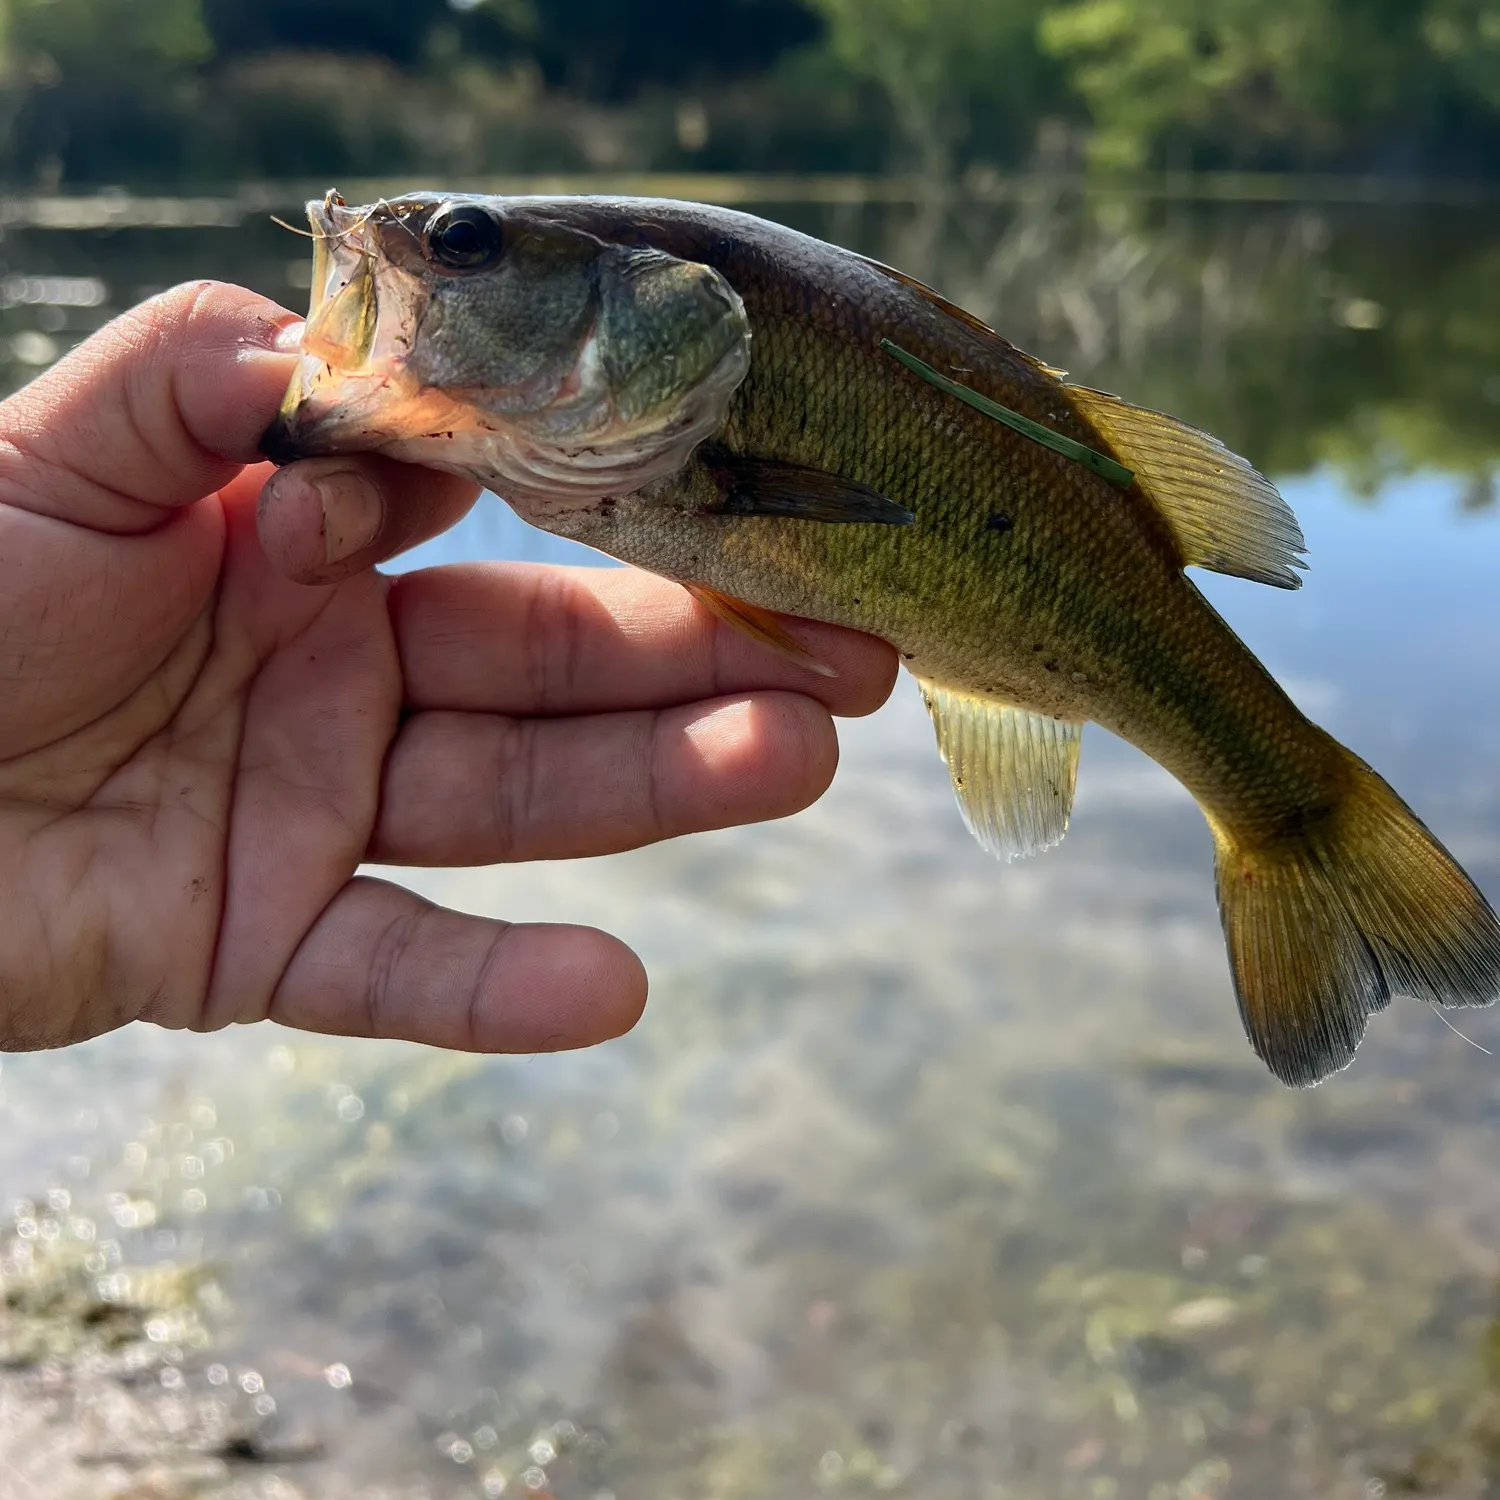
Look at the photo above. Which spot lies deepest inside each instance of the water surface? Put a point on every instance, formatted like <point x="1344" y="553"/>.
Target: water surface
<point x="923" y="1176"/>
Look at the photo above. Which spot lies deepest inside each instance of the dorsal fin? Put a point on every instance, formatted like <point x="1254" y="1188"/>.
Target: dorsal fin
<point x="1225" y="515"/>
<point x="1013" y="770"/>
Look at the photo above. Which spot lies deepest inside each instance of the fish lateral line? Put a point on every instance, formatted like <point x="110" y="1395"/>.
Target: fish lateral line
<point x="1102" y="465"/>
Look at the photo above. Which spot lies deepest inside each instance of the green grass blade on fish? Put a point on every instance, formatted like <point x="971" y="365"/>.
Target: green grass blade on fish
<point x="1099" y="463"/>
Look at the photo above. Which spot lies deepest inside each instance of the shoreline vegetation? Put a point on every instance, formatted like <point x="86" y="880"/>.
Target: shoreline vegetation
<point x="117" y="207"/>
<point x="170" y="96"/>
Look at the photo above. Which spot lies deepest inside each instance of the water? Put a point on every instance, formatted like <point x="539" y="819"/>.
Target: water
<point x="922" y="1176"/>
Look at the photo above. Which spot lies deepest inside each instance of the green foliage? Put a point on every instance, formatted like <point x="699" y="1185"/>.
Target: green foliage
<point x="608" y="51"/>
<point x="1273" y="82"/>
<point x="101" y="81"/>
<point x="942" y="63"/>
<point x="1465" y="36"/>
<point x="106" y="38"/>
<point x="167" y="90"/>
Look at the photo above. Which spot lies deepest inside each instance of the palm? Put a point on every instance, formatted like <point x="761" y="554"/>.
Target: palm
<point x="188" y="836"/>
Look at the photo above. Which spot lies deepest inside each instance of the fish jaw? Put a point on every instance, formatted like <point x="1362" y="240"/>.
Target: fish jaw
<point x="364" y="381"/>
<point x="350" y="389"/>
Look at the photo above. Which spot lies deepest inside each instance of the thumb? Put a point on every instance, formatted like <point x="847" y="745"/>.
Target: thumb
<point x="159" y="408"/>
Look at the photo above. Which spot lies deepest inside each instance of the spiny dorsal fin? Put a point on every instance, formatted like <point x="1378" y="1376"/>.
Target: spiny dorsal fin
<point x="1013" y="770"/>
<point x="1225" y="515"/>
<point x="962" y="315"/>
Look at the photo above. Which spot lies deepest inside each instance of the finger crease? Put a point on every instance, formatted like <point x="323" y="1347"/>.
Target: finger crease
<point x="515" y="783"/>
<point x="490" y="966"/>
<point x="389" y="954"/>
<point x="657" y="756"/>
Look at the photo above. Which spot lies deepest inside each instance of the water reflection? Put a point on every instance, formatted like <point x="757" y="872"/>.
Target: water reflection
<point x="923" y="1177"/>
<point x="1362" y="336"/>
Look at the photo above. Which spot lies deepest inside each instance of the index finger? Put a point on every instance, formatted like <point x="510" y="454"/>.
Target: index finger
<point x="527" y="639"/>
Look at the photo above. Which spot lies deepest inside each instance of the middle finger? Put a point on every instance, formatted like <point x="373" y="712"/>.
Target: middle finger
<point x="519" y="638"/>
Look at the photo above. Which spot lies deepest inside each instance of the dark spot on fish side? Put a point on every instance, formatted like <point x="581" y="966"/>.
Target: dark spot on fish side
<point x="1050" y="666"/>
<point x="1000" y="523"/>
<point x="1039" y="647"/>
<point x="908" y="656"/>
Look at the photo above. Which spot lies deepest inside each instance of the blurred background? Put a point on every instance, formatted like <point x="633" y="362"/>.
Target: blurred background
<point x="924" y="1176"/>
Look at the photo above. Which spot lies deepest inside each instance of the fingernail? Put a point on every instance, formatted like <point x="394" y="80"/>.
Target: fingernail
<point x="275" y="333"/>
<point x="352" y="512"/>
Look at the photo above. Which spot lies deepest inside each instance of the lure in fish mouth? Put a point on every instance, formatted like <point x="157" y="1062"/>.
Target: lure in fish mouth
<point x="503" y="345"/>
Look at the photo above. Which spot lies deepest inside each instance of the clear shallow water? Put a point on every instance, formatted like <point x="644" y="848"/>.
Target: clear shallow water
<point x="922" y="1177"/>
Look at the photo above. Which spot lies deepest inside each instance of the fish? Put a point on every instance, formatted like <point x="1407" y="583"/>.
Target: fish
<point x="792" y="430"/>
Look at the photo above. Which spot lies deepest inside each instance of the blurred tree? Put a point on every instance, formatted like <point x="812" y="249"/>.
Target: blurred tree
<point x="944" y="64"/>
<point x="597" y="49"/>
<point x="1273" y="83"/>
<point x="106" y="37"/>
<point x="95" y="83"/>
<point x="605" y="50"/>
<point x="1465" y="35"/>
<point x="395" y="29"/>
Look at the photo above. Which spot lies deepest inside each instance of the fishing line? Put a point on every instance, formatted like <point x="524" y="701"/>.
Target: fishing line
<point x="342" y="237"/>
<point x="1456" y="1032"/>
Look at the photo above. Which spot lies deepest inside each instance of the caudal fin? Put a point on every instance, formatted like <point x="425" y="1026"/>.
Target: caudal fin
<point x="1325" y="923"/>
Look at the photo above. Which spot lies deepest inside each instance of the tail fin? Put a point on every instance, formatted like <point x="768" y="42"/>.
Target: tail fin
<point x="1325" y="923"/>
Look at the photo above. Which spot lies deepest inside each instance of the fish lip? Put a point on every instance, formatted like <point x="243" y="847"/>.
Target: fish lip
<point x="342" y="262"/>
<point x="280" y="442"/>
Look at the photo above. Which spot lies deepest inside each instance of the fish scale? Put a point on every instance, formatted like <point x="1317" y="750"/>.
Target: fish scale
<point x="806" y="452"/>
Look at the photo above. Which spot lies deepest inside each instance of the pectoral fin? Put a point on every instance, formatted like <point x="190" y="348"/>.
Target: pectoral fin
<point x="767" y="487"/>
<point x="1013" y="770"/>
<point x="760" y="625"/>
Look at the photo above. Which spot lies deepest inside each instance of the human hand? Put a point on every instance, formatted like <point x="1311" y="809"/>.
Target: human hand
<point x="197" y="752"/>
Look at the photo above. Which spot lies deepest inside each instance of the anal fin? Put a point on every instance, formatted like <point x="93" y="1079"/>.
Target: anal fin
<point x="1013" y="770"/>
<point x="760" y="625"/>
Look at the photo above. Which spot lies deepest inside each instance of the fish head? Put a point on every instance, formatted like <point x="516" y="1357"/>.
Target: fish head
<point x="481" y="336"/>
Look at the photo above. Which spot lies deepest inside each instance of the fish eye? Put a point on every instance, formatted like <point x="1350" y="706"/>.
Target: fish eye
<point x="465" y="237"/>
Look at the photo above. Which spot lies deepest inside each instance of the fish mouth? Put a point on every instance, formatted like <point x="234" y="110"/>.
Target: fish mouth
<point x="337" y="386"/>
